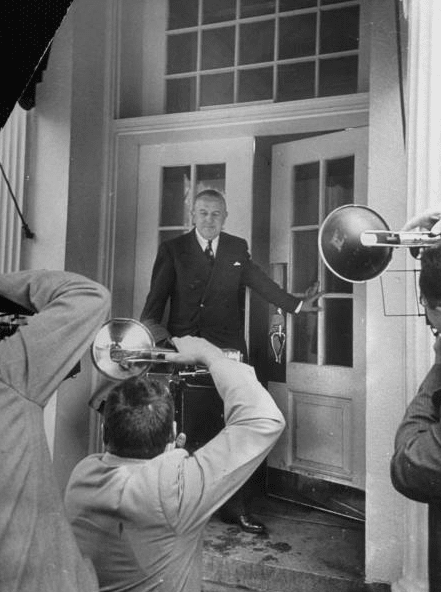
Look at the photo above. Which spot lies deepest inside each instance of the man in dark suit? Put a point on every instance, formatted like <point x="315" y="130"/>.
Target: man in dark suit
<point x="203" y="275"/>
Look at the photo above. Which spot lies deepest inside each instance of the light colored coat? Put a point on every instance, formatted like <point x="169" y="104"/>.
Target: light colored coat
<point x="142" y="521"/>
<point x="38" y="552"/>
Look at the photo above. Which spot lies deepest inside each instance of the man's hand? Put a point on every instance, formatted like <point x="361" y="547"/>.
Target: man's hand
<point x="194" y="350"/>
<point x="425" y="221"/>
<point x="179" y="441"/>
<point x="437" y="349"/>
<point x="310" y="297"/>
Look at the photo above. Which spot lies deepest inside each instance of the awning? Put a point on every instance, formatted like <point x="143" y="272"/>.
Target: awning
<point x="27" y="28"/>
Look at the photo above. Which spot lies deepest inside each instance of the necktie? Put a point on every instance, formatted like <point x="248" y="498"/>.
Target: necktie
<point x="209" y="252"/>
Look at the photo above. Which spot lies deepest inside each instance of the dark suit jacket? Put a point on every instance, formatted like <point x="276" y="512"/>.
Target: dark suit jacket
<point x="204" y="300"/>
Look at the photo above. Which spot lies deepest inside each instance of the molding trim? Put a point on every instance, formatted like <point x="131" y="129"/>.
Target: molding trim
<point x="242" y="120"/>
<point x="105" y="268"/>
<point x="107" y="197"/>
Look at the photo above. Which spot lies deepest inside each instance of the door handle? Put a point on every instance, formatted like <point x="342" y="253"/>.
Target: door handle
<point x="277" y="335"/>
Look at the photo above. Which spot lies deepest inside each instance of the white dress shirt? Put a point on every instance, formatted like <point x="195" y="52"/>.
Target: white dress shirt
<point x="204" y="243"/>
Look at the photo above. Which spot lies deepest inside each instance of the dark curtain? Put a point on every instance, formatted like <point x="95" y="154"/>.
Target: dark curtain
<point x="27" y="28"/>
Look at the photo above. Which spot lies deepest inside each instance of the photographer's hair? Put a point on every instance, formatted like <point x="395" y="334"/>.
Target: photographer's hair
<point x="430" y="275"/>
<point x="138" y="418"/>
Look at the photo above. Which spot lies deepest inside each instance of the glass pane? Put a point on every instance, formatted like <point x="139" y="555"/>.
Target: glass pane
<point x="297" y="36"/>
<point x="216" y="11"/>
<point x="305" y="193"/>
<point x="217" y="89"/>
<point x="339" y="182"/>
<point x="338" y="332"/>
<point x="327" y="2"/>
<point x="176" y="197"/>
<point x="182" y="14"/>
<point x="338" y="76"/>
<point x="181" y="95"/>
<point x="218" y="48"/>
<point x="304" y="344"/>
<point x="295" y="81"/>
<point x="286" y="5"/>
<point x="210" y="176"/>
<point x="181" y="53"/>
<point x="255" y="85"/>
<point x="256" y="42"/>
<point x="335" y="284"/>
<point x="256" y="7"/>
<point x="304" y="249"/>
<point x="339" y="191"/>
<point x="339" y="29"/>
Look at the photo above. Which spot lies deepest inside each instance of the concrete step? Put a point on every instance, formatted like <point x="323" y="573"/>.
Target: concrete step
<point x="305" y="550"/>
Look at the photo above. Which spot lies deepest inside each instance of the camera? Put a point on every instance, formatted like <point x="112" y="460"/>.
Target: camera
<point x="12" y="316"/>
<point x="9" y="325"/>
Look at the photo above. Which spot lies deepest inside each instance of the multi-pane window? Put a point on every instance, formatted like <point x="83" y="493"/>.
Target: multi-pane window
<point x="318" y="188"/>
<point x="223" y="52"/>
<point x="179" y="186"/>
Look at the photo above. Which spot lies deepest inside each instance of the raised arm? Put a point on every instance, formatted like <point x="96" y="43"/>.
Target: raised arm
<point x="68" y="311"/>
<point x="257" y="280"/>
<point x="253" y="425"/>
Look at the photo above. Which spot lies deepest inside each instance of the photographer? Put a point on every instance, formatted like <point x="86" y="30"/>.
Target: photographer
<point x="139" y="510"/>
<point x="416" y="464"/>
<point x="38" y="551"/>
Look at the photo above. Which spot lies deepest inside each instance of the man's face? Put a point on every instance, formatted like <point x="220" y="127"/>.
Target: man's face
<point x="433" y="315"/>
<point x="209" y="215"/>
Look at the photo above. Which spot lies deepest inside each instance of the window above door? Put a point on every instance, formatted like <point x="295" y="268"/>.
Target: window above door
<point x="238" y="51"/>
<point x="205" y="54"/>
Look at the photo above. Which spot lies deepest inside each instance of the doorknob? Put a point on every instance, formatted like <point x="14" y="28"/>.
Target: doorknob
<point x="277" y="335"/>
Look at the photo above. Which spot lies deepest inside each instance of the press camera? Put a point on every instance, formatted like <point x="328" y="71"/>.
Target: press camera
<point x="12" y="316"/>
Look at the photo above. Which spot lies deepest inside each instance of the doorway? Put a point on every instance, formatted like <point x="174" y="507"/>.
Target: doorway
<point x="320" y="381"/>
<point x="321" y="389"/>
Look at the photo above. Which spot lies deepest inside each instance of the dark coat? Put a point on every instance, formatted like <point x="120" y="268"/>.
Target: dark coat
<point x="204" y="300"/>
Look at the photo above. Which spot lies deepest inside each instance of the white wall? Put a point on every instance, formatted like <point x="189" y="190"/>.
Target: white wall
<point x="47" y="178"/>
<point x="49" y="149"/>
<point x="385" y="335"/>
<point x="64" y="193"/>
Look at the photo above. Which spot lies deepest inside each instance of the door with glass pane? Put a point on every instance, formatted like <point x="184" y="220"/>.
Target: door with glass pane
<point x="170" y="175"/>
<point x="324" y="395"/>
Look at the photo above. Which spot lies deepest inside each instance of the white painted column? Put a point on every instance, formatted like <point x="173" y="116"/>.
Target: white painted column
<point x="12" y="158"/>
<point x="424" y="191"/>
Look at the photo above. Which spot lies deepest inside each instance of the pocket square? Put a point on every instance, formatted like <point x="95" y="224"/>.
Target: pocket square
<point x="236" y="264"/>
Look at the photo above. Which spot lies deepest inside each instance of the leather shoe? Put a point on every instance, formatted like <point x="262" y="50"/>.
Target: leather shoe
<point x="246" y="523"/>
